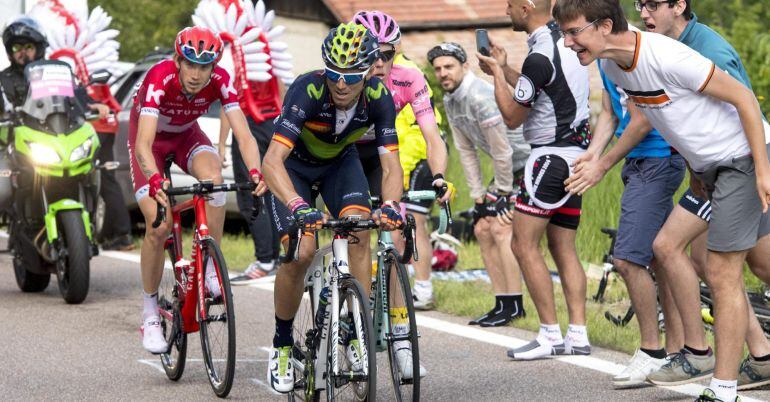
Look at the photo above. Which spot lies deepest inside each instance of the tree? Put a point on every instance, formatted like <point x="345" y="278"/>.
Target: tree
<point x="145" y="24"/>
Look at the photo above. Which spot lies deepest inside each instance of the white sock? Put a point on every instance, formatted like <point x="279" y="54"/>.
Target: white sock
<point x="724" y="390"/>
<point x="578" y="335"/>
<point x="550" y="335"/>
<point x="423" y="287"/>
<point x="150" y="305"/>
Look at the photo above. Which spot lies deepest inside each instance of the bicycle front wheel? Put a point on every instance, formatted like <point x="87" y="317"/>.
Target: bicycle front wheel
<point x="217" y="326"/>
<point x="356" y="379"/>
<point x="169" y="308"/>
<point x="403" y="350"/>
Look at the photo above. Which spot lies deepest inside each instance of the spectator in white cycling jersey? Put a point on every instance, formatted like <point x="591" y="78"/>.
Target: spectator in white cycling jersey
<point x="715" y="122"/>
<point x="477" y="125"/>
<point x="551" y="101"/>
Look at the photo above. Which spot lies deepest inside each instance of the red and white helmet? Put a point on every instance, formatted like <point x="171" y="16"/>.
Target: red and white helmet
<point x="383" y="26"/>
<point x="199" y="45"/>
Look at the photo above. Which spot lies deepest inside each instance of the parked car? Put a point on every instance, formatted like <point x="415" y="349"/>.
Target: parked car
<point x="123" y="89"/>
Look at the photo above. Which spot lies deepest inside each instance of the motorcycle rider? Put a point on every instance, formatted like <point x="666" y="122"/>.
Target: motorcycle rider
<point x="24" y="43"/>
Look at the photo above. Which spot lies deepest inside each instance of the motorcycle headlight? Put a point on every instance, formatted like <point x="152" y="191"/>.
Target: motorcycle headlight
<point x="43" y="154"/>
<point x="82" y="151"/>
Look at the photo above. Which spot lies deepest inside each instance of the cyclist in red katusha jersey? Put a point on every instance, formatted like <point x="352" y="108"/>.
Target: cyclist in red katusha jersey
<point x="167" y="104"/>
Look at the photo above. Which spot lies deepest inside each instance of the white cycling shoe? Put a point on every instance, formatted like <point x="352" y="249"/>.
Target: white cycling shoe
<point x="212" y="282"/>
<point x="354" y="355"/>
<point x="404" y="360"/>
<point x="152" y="336"/>
<point x="280" y="373"/>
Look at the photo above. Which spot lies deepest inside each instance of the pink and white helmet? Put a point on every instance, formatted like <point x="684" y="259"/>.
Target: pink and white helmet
<point x="383" y="26"/>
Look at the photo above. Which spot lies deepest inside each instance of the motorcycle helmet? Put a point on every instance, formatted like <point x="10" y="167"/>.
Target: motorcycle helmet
<point x="24" y="30"/>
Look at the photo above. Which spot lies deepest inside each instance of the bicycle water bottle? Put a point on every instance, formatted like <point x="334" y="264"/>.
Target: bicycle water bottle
<point x="323" y="300"/>
<point x="187" y="270"/>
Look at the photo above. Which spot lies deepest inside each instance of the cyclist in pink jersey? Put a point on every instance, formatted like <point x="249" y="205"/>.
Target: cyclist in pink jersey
<point x="408" y="86"/>
<point x="163" y="120"/>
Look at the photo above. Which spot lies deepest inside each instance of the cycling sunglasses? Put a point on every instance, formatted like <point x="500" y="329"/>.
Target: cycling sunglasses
<point x="387" y="55"/>
<point x="203" y="57"/>
<point x="17" y="47"/>
<point x="350" y="78"/>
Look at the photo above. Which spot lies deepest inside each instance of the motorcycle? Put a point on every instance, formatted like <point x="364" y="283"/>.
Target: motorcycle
<point x="55" y="184"/>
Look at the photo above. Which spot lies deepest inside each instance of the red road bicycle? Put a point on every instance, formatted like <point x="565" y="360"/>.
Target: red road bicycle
<point x="184" y="302"/>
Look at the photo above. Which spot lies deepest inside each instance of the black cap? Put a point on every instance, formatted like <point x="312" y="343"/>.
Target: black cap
<point x="448" y="49"/>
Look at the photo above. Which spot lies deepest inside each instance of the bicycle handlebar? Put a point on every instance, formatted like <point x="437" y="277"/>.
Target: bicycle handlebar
<point x="445" y="212"/>
<point x="203" y="188"/>
<point x="348" y="225"/>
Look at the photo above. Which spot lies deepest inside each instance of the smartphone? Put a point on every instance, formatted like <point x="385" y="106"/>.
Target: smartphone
<point x="482" y="42"/>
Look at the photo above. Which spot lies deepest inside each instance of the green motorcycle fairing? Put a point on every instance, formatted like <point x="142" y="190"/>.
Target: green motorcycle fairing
<point x="51" y="230"/>
<point x="63" y="145"/>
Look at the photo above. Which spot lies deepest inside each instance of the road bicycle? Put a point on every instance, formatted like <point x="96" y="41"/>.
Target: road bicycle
<point x="758" y="300"/>
<point x="184" y="302"/>
<point x="394" y="320"/>
<point x="334" y="316"/>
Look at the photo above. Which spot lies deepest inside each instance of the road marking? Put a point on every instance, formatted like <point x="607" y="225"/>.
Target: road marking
<point x="262" y="384"/>
<point x="479" y="335"/>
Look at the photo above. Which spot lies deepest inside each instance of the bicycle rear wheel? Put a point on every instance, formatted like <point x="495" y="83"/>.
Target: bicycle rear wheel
<point x="304" y="351"/>
<point x="218" y="326"/>
<point x="169" y="305"/>
<point x="355" y="324"/>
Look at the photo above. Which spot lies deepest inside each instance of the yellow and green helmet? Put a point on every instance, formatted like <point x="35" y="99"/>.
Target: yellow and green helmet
<point x="350" y="45"/>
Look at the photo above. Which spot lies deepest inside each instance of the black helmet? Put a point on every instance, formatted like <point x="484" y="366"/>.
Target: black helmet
<point x="24" y="30"/>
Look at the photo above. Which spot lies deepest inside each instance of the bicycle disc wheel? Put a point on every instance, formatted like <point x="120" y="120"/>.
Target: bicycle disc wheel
<point x="355" y="324"/>
<point x="173" y="361"/>
<point x="303" y="355"/>
<point x="218" y="327"/>
<point x="402" y="331"/>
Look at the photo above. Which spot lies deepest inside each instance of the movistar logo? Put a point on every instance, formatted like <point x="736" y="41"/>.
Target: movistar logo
<point x="372" y="93"/>
<point x="314" y="91"/>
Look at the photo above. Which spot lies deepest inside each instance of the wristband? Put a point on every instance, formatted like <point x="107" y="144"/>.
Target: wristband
<point x="297" y="203"/>
<point x="393" y="204"/>
<point x="256" y="172"/>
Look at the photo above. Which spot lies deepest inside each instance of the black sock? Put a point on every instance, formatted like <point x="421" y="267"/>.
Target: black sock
<point x="764" y="358"/>
<point x="655" y="354"/>
<point x="283" y="335"/>
<point x="697" y="352"/>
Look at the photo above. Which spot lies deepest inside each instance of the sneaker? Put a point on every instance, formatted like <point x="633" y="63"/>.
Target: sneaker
<point x="152" y="336"/>
<point x="280" y="373"/>
<point x="255" y="270"/>
<point x="753" y="374"/>
<point x="422" y="302"/>
<point x="491" y="313"/>
<point x="504" y="317"/>
<point x="536" y="350"/>
<point x="212" y="284"/>
<point x="683" y="368"/>
<point x="120" y="243"/>
<point x="570" y="348"/>
<point x="355" y="357"/>
<point x="404" y="360"/>
<point x="709" y="396"/>
<point x="639" y="367"/>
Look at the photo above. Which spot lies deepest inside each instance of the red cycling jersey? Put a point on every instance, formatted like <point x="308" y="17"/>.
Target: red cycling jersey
<point x="160" y="94"/>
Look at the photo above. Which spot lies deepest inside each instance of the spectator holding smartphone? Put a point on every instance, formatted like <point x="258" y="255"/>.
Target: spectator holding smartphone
<point x="551" y="102"/>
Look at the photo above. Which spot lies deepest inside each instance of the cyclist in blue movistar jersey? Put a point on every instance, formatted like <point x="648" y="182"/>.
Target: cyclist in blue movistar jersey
<point x="324" y="113"/>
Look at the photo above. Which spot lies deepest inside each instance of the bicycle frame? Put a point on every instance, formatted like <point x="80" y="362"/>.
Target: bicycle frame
<point x="318" y="278"/>
<point x="190" y="289"/>
<point x="381" y="307"/>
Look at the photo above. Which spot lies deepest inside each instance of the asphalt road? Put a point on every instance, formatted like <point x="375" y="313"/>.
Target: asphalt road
<point x="92" y="351"/>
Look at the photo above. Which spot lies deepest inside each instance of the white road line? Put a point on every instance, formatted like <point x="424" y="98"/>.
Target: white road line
<point x="267" y="387"/>
<point x="480" y="335"/>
